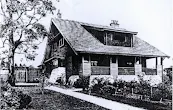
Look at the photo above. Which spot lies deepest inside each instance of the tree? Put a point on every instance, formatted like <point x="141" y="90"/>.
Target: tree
<point x="21" y="32"/>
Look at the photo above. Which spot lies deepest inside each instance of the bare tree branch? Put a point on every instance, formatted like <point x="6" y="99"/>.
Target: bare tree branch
<point x="3" y="10"/>
<point x="19" y="16"/>
<point x="3" y="43"/>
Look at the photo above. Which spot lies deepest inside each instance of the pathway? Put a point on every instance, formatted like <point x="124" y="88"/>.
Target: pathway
<point x="93" y="99"/>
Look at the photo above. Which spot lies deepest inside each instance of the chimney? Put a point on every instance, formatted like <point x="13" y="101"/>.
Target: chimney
<point x="114" y="24"/>
<point x="59" y="14"/>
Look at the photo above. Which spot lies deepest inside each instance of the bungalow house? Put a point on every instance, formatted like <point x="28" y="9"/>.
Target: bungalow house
<point x="95" y="50"/>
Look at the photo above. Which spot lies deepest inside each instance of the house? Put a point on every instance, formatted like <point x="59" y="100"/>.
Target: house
<point x="24" y="74"/>
<point x="95" y="50"/>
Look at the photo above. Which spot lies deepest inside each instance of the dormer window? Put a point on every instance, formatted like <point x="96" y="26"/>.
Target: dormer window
<point x="117" y="39"/>
<point x="113" y="38"/>
<point x="107" y="38"/>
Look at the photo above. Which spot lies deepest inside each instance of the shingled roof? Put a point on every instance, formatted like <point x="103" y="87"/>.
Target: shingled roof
<point x="83" y="42"/>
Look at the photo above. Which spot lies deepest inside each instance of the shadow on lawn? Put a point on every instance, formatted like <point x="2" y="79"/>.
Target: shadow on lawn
<point x="56" y="101"/>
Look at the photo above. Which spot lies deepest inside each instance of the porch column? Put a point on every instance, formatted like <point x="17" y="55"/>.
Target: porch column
<point x="26" y="73"/>
<point x="86" y="66"/>
<point x="114" y="67"/>
<point x="86" y="72"/>
<point x="138" y="66"/>
<point x="159" y="66"/>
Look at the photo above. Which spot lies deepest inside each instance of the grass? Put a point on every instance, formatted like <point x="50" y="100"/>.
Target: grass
<point x="55" y="101"/>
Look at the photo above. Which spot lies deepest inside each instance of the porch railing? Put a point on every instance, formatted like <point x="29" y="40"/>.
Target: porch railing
<point x="126" y="71"/>
<point x="149" y="71"/>
<point x="100" y="70"/>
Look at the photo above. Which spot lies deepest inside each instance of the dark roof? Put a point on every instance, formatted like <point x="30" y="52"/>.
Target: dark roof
<point x="83" y="42"/>
<point x="108" y="28"/>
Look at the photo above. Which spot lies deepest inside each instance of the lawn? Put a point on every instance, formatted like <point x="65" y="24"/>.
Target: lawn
<point x="56" y="101"/>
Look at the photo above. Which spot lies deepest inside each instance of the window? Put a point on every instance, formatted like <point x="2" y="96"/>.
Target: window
<point x="117" y="39"/>
<point x="61" y="42"/>
<point x="108" y="38"/>
<point x="119" y="36"/>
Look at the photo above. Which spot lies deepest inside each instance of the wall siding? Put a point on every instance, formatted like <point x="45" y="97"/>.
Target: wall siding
<point x="33" y="74"/>
<point x="69" y="67"/>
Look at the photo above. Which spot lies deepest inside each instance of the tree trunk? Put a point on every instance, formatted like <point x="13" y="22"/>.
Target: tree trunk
<point x="11" y="78"/>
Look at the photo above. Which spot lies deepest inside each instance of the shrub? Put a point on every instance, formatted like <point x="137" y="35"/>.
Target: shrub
<point x="162" y="91"/>
<point x="85" y="82"/>
<point x="121" y="84"/>
<point x="10" y="99"/>
<point x="24" y="100"/>
<point x="108" y="90"/>
<point x="115" y="84"/>
<point x="144" y="87"/>
<point x="97" y="84"/>
<point x="78" y="83"/>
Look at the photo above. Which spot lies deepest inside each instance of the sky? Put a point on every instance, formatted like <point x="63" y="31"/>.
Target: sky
<point x="152" y="19"/>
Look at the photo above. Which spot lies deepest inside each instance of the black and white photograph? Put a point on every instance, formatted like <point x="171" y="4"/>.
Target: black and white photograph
<point x="86" y="54"/>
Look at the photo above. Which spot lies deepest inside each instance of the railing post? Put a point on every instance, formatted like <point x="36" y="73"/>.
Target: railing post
<point x="156" y="65"/>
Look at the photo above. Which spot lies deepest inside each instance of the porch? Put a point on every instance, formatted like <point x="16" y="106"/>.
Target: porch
<point x="119" y="65"/>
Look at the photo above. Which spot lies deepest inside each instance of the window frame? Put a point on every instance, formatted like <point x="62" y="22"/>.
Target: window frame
<point x="61" y="42"/>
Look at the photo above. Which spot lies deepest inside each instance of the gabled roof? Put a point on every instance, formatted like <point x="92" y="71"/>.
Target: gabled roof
<point x="83" y="42"/>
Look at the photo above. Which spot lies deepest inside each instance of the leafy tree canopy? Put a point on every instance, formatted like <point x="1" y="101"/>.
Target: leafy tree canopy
<point x="20" y="30"/>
